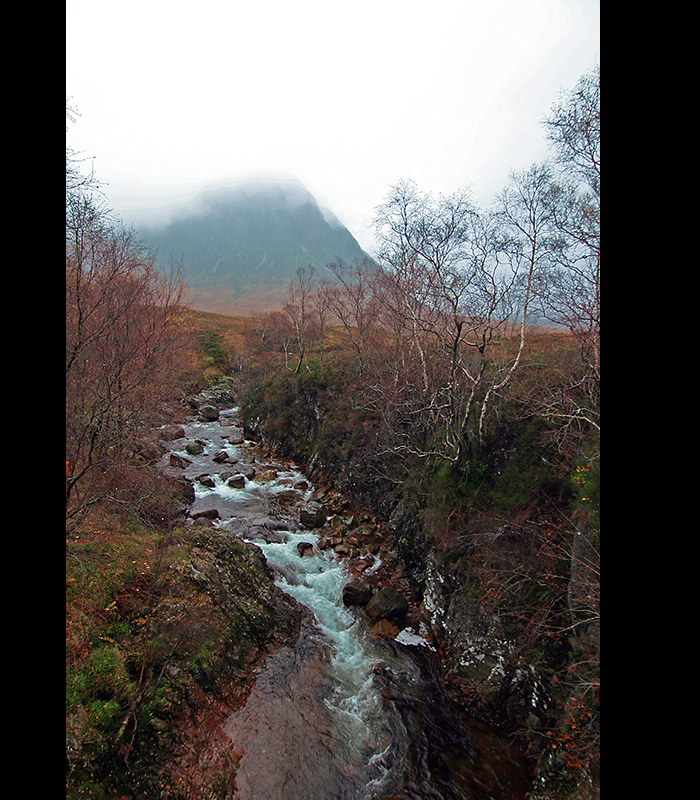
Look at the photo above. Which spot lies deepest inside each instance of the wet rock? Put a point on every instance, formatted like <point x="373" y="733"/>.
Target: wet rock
<point x="209" y="413"/>
<point x="337" y="523"/>
<point x="172" y="432"/>
<point x="236" y="436"/>
<point x="179" y="461"/>
<point x="387" y="604"/>
<point x="329" y="541"/>
<point x="194" y="448"/>
<point x="384" y="630"/>
<point x="267" y="475"/>
<point x="186" y="490"/>
<point x="305" y="549"/>
<point x="341" y="550"/>
<point x="357" y="594"/>
<point x="274" y="537"/>
<point x="236" y="481"/>
<point x="313" y="515"/>
<point x="222" y="457"/>
<point x="206" y="480"/>
<point x="210" y="513"/>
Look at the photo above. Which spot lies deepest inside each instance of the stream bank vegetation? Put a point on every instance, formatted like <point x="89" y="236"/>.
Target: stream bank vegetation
<point x="457" y="375"/>
<point x="461" y="373"/>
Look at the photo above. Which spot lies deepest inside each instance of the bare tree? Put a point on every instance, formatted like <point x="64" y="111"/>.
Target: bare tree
<point x="527" y="244"/>
<point x="353" y="301"/>
<point x="573" y="129"/>
<point x="450" y="298"/>
<point x="322" y="296"/>
<point x="570" y="288"/>
<point x="298" y="306"/>
<point x="123" y="342"/>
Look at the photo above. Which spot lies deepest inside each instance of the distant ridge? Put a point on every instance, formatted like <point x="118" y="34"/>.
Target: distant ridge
<point x="240" y="246"/>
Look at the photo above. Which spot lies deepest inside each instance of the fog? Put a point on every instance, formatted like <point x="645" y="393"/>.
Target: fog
<point x="347" y="99"/>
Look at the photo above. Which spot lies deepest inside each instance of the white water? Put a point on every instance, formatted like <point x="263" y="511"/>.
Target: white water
<point x="343" y="716"/>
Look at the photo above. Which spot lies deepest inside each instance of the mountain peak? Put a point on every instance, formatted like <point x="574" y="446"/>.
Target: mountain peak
<point x="241" y="244"/>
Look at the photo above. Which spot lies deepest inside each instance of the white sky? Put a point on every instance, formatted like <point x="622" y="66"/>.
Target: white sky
<point x="348" y="98"/>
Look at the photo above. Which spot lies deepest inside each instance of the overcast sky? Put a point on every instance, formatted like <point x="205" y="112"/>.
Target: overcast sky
<point x="348" y="98"/>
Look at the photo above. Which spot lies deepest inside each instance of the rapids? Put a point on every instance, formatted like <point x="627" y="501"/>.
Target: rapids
<point x="342" y="715"/>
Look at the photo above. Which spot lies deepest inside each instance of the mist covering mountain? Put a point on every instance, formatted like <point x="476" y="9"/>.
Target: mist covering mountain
<point x="240" y="246"/>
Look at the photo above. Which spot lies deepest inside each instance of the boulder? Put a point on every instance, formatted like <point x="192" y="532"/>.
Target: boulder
<point x="313" y="515"/>
<point x="178" y="461"/>
<point x="222" y="457"/>
<point x="337" y="523"/>
<point x="237" y="482"/>
<point x="357" y="594"/>
<point x="387" y="604"/>
<point x="194" y="448"/>
<point x="186" y="490"/>
<point x="305" y="549"/>
<point x="171" y="432"/>
<point x="209" y="413"/>
<point x="267" y="475"/>
<point x="329" y="541"/>
<point x="384" y="630"/>
<point x="206" y="480"/>
<point x="236" y="437"/>
<point x="210" y="513"/>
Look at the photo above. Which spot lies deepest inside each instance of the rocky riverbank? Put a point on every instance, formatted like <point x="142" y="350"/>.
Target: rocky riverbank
<point x="221" y="606"/>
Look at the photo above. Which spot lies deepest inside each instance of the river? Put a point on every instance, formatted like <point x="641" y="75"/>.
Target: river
<point x="342" y="715"/>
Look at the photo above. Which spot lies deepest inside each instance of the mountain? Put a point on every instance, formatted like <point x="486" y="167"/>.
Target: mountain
<point x="240" y="246"/>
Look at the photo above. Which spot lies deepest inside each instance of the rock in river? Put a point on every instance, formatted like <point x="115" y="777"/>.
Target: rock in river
<point x="313" y="515"/>
<point x="387" y="604"/>
<point x="357" y="594"/>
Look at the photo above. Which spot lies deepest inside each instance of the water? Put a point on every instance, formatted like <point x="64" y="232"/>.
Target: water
<point x="341" y="716"/>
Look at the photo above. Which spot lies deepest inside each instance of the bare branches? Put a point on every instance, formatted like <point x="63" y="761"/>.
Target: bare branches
<point x="123" y="338"/>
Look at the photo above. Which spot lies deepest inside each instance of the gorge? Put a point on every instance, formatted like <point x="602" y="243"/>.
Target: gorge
<point x="356" y="708"/>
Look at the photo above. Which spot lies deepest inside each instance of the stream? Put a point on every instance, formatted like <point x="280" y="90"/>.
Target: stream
<point x="342" y="715"/>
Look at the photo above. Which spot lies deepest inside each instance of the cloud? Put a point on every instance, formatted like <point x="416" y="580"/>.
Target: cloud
<point x="346" y="98"/>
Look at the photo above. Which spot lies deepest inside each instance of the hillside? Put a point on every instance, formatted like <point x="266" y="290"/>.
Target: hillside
<point x="240" y="246"/>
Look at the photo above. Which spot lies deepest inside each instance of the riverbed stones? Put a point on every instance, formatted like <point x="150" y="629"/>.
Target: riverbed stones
<point x="210" y="513"/>
<point x="267" y="475"/>
<point x="337" y="523"/>
<point x="357" y="594"/>
<point x="209" y="413"/>
<point x="313" y="515"/>
<point x="171" y="432"/>
<point x="236" y="436"/>
<point x="329" y="541"/>
<point x="387" y="604"/>
<point x="185" y="490"/>
<point x="384" y="630"/>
